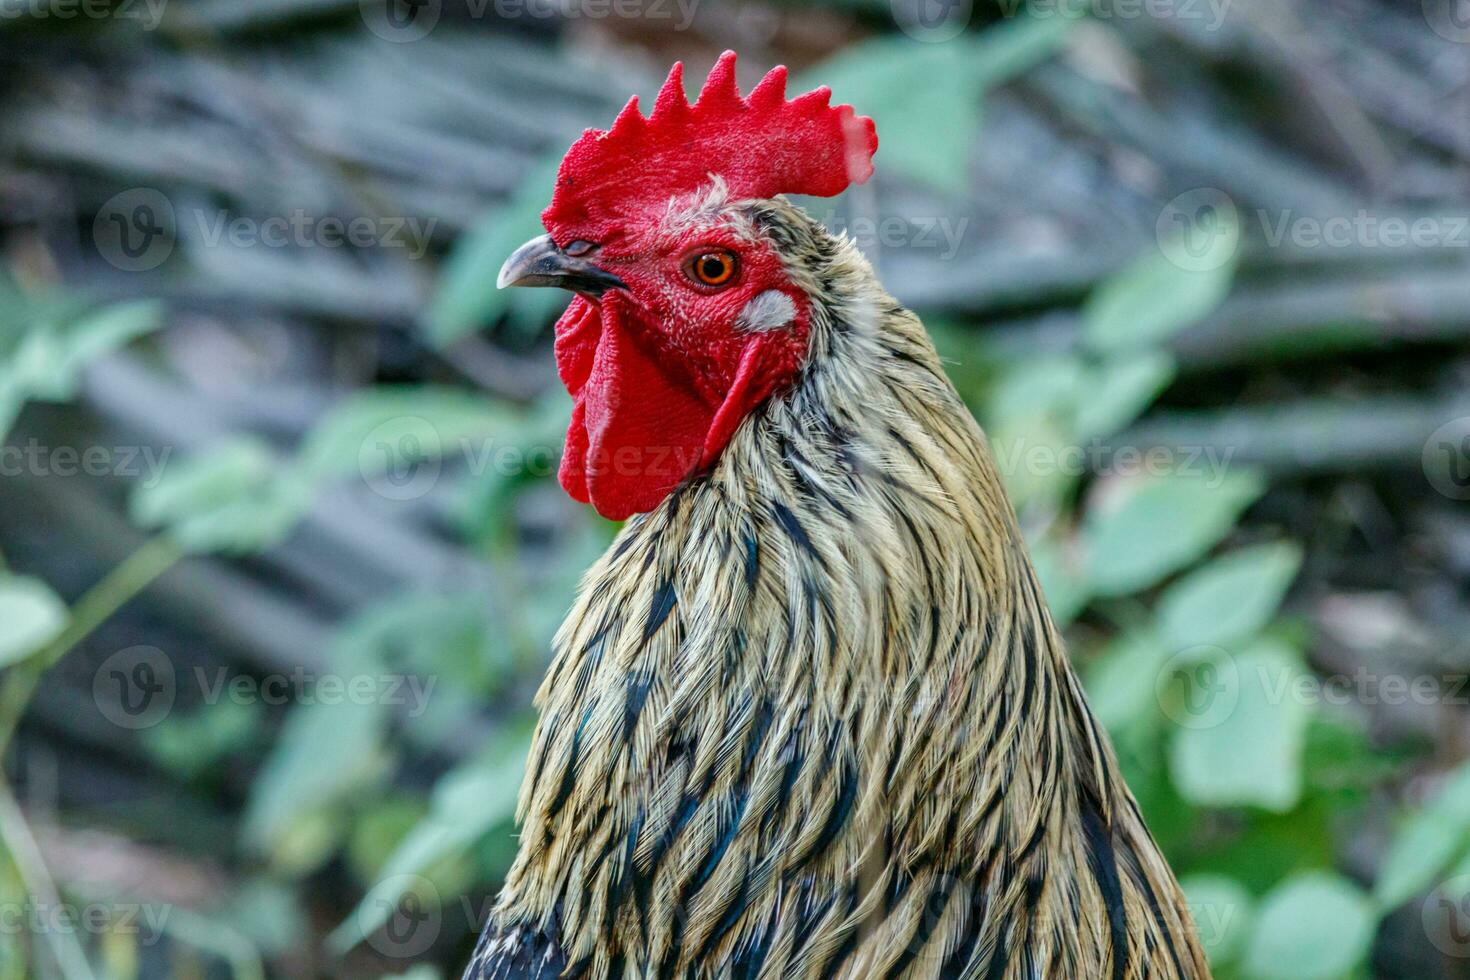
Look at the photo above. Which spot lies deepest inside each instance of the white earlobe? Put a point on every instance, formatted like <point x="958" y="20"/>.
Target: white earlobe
<point x="770" y="310"/>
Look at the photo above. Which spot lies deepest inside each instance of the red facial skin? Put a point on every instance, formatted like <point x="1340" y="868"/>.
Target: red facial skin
<point x="660" y="372"/>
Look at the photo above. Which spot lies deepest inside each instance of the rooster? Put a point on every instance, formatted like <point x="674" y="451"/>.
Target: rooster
<point x="809" y="716"/>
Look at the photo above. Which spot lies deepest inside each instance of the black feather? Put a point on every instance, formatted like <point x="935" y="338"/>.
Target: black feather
<point x="516" y="953"/>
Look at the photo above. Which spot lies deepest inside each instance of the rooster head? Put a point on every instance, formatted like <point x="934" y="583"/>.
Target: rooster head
<point x="687" y="315"/>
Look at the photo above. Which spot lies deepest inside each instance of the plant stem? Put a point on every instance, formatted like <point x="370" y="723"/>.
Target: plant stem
<point x="21" y="847"/>
<point x="116" y="589"/>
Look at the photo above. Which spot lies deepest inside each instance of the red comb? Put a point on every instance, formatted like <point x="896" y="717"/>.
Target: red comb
<point x="761" y="145"/>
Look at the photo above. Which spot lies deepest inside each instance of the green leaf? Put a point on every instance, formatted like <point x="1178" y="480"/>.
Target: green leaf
<point x="326" y="750"/>
<point x="51" y="354"/>
<point x="190" y="745"/>
<point x="1453" y="796"/>
<point x="1154" y="526"/>
<point x="421" y="972"/>
<point x="1118" y="391"/>
<point x="1151" y="300"/>
<point x="1230" y="599"/>
<point x="235" y="499"/>
<point x="1007" y="50"/>
<point x="31" y="616"/>
<point x="45" y="342"/>
<point x="1120" y="682"/>
<point x="1029" y="421"/>
<point x="245" y="526"/>
<point x="467" y="298"/>
<point x="1427" y="844"/>
<point x="928" y="129"/>
<point x="1313" y="926"/>
<point x="241" y="498"/>
<point x="1456" y="881"/>
<point x="204" y="483"/>
<point x="89" y="337"/>
<point x="1242" y="726"/>
<point x="268" y="914"/>
<point x="1062" y="581"/>
<point x="382" y="430"/>
<point x="1222" y="908"/>
<point x="378" y="830"/>
<point x="1036" y="391"/>
<point x="468" y="802"/>
<point x="11" y="403"/>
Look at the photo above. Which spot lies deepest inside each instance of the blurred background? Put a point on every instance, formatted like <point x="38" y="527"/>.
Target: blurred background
<point x="282" y="546"/>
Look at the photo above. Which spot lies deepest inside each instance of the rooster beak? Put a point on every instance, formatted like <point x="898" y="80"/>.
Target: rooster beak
<point x="540" y="263"/>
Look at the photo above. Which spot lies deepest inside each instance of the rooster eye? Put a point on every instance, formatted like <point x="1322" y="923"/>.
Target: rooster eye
<point x="579" y="247"/>
<point x="713" y="268"/>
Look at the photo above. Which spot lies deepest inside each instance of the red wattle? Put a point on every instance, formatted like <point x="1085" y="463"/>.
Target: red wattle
<point x="573" y="470"/>
<point x="635" y="433"/>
